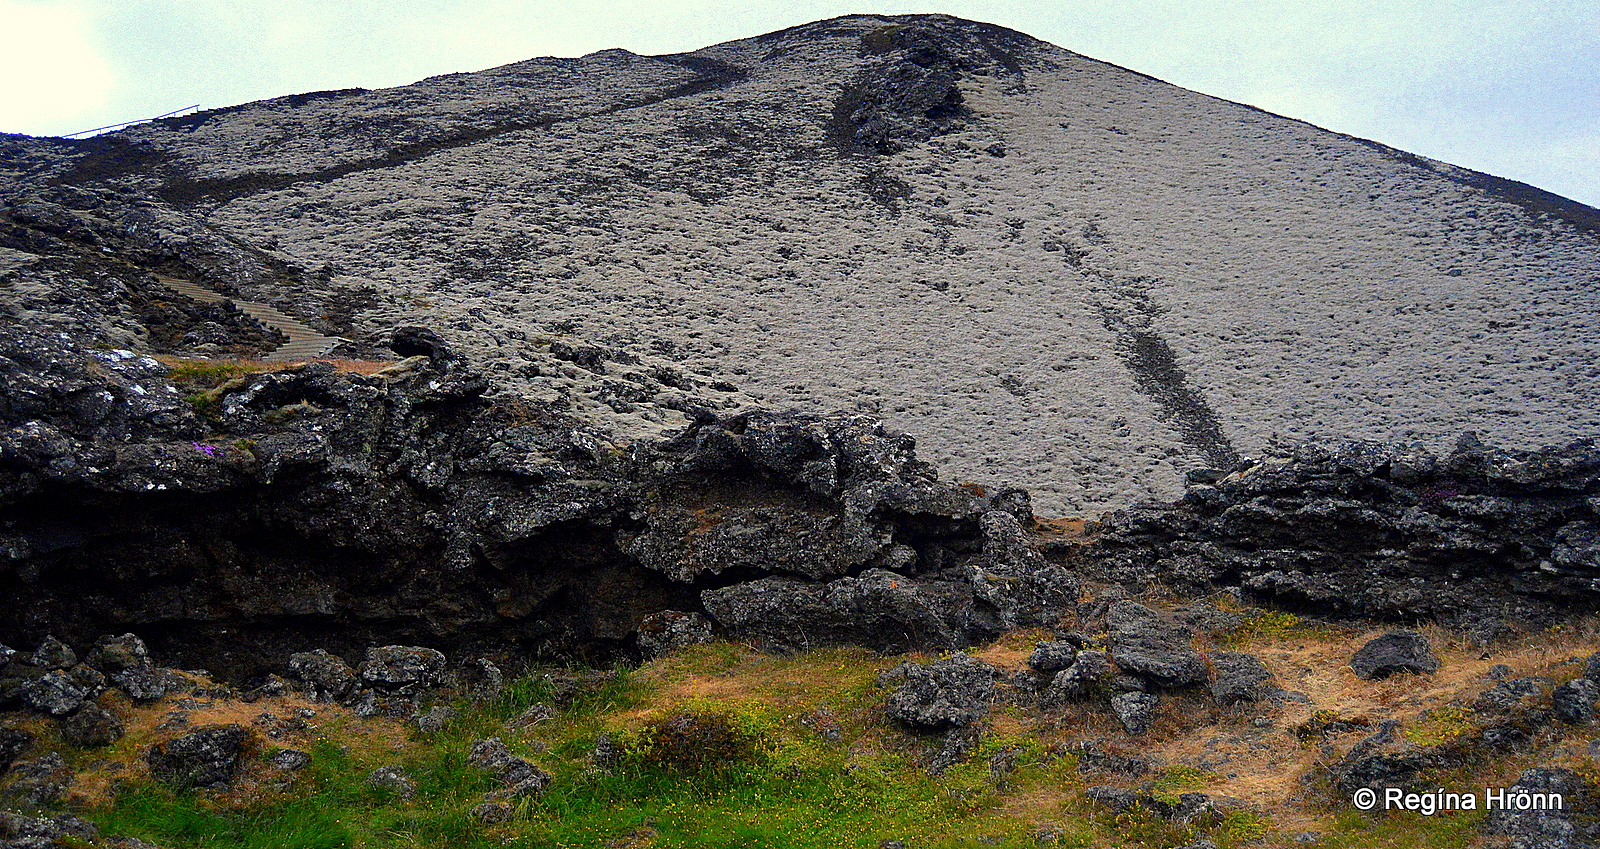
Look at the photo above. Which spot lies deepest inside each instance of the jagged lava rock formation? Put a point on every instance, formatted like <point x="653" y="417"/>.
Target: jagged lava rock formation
<point x="322" y="509"/>
<point x="1054" y="271"/>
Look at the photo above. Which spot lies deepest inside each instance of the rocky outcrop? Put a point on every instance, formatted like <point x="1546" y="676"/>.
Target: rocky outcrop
<point x="1383" y="531"/>
<point x="309" y="508"/>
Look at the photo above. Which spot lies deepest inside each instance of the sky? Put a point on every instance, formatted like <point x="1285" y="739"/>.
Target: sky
<point x="1505" y="87"/>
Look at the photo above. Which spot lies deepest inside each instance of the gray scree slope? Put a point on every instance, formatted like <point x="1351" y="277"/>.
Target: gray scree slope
<point x="1051" y="270"/>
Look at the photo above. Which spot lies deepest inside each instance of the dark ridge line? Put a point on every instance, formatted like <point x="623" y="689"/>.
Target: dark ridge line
<point x="1531" y="198"/>
<point x="120" y="158"/>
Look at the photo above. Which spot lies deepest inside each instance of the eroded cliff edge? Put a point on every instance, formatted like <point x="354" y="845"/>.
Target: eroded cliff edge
<point x="316" y="508"/>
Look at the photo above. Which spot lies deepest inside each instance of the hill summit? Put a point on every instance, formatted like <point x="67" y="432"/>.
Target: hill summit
<point x="1052" y="271"/>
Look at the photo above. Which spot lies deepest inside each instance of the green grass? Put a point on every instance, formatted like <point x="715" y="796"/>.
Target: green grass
<point x="768" y="777"/>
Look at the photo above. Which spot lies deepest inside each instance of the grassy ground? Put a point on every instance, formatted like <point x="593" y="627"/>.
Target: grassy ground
<point x="797" y="752"/>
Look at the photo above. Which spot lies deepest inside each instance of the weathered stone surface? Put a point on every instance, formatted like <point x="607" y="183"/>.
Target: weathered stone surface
<point x="325" y="677"/>
<point x="1576" y="702"/>
<point x="1052" y="656"/>
<point x="38" y="782"/>
<point x="670" y="630"/>
<point x="1371" y="530"/>
<point x="407" y="668"/>
<point x="91" y="726"/>
<point x="1089" y="672"/>
<point x="1135" y="710"/>
<point x="1546" y="827"/>
<point x="13" y="743"/>
<point x="205" y="757"/>
<point x="878" y="609"/>
<point x="777" y="525"/>
<point x="53" y="654"/>
<point x="1147" y="645"/>
<point x="395" y="780"/>
<point x="1396" y="651"/>
<point x="290" y="760"/>
<point x="953" y="691"/>
<point x="57" y="693"/>
<point x="115" y="654"/>
<point x="1239" y="677"/>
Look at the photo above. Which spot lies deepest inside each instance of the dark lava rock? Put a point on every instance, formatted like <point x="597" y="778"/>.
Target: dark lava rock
<point x="142" y="683"/>
<point x="114" y="654"/>
<point x="670" y="630"/>
<point x="952" y="691"/>
<point x="878" y="609"/>
<point x="492" y="813"/>
<point x="38" y="782"/>
<point x="435" y="719"/>
<point x="1380" y="760"/>
<point x="57" y="693"/>
<point x="91" y="726"/>
<point x="1575" y="701"/>
<point x="1591" y="667"/>
<point x="289" y="760"/>
<point x="484" y="523"/>
<point x="1135" y="710"/>
<point x="1146" y="645"/>
<point x="13" y="742"/>
<point x="395" y="780"/>
<point x="370" y="703"/>
<point x="20" y="831"/>
<point x="1117" y="799"/>
<point x="207" y="757"/>
<point x="1540" y="826"/>
<point x="325" y="677"/>
<point x="1377" y="531"/>
<point x="1052" y="656"/>
<point x="54" y="654"/>
<point x="479" y="679"/>
<point x="1239" y="677"/>
<point x="1396" y="651"/>
<point x="407" y="668"/>
<point x="1089" y="672"/>
<point x="491" y="755"/>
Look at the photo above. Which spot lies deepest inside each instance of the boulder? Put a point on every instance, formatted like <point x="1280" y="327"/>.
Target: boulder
<point x="491" y="755"/>
<point x="1575" y="702"/>
<point x="57" y="693"/>
<point x="670" y="630"/>
<point x="1144" y="644"/>
<point x="207" y="757"/>
<point x="142" y="683"/>
<point x="403" y="668"/>
<point x="114" y="654"/>
<point x="1396" y="651"/>
<point x="1135" y="710"/>
<point x="953" y="691"/>
<point x="1239" y="677"/>
<point x="91" y="726"/>
<point x="53" y="654"/>
<point x="479" y="679"/>
<point x="324" y="677"/>
<point x="877" y="609"/>
<point x="1052" y="656"/>
<point x="1090" y="671"/>
<point x="394" y="780"/>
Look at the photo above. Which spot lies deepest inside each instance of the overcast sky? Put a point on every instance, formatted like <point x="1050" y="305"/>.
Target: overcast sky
<point x="1499" y="86"/>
